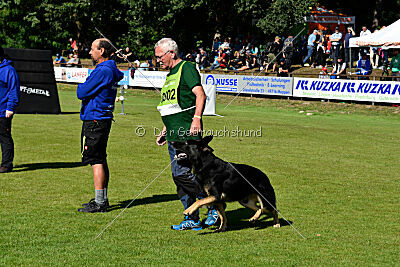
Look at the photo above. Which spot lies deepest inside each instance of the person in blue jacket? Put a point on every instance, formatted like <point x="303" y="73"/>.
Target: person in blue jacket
<point x="9" y="99"/>
<point x="98" y="97"/>
<point x="363" y="67"/>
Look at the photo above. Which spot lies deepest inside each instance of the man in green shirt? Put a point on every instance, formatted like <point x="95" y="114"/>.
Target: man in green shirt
<point x="181" y="107"/>
<point x="395" y="65"/>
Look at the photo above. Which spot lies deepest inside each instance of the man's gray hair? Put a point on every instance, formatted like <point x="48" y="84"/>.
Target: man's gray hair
<point x="167" y="44"/>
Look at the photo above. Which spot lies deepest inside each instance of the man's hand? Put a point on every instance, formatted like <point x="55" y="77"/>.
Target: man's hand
<point x="195" y="128"/>
<point x="9" y="114"/>
<point x="161" y="137"/>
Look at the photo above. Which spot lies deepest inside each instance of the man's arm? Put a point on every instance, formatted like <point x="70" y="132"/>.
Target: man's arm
<point x="195" y="128"/>
<point x="14" y="93"/>
<point x="161" y="137"/>
<point x="342" y="69"/>
<point x="91" y="85"/>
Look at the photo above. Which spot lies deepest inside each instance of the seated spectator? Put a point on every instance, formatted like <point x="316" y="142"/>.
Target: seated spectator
<point x="395" y="64"/>
<point x="254" y="50"/>
<point x="191" y="56"/>
<point x="363" y="67"/>
<point x="237" y="46"/>
<point x="284" y="67"/>
<point x="220" y="61"/>
<point x="73" y="61"/>
<point x="338" y="69"/>
<point x="225" y="45"/>
<point x="59" y="60"/>
<point x="324" y="73"/>
<point x="144" y="66"/>
<point x="151" y="64"/>
<point x="202" y="59"/>
<point x="236" y="63"/>
<point x="268" y="60"/>
<point x="250" y="62"/>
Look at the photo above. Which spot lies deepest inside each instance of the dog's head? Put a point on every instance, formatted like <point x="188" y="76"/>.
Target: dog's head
<point x="194" y="148"/>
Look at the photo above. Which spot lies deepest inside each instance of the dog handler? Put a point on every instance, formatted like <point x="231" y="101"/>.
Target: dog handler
<point x="181" y="108"/>
<point x="9" y="99"/>
<point x="98" y="95"/>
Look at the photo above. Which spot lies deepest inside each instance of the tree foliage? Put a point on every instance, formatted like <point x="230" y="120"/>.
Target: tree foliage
<point x="48" y="24"/>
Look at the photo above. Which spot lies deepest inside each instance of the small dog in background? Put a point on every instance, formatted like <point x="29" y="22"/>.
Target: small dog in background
<point x="223" y="182"/>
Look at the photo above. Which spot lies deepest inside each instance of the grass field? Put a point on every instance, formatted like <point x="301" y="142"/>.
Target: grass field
<point x="336" y="174"/>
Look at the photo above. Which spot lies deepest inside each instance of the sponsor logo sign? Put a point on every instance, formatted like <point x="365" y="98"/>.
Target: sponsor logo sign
<point x="358" y="90"/>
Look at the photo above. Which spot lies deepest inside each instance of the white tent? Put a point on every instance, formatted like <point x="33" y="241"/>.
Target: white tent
<point x="388" y="36"/>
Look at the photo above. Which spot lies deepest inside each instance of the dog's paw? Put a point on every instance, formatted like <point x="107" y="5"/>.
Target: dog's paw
<point x="253" y="219"/>
<point x="278" y="225"/>
<point x="187" y="212"/>
<point x="220" y="230"/>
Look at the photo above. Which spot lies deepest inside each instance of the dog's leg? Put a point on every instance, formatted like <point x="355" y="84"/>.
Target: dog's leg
<point x="276" y="219"/>
<point x="199" y="203"/>
<point x="259" y="210"/>
<point x="274" y="213"/>
<point x="252" y="204"/>
<point x="222" y="217"/>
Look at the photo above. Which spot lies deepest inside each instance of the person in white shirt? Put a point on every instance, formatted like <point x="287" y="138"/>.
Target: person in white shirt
<point x="364" y="32"/>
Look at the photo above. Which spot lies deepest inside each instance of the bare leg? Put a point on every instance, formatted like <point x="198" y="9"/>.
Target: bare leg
<point x="100" y="175"/>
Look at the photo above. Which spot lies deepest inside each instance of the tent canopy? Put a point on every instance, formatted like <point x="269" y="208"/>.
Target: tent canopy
<point x="388" y="36"/>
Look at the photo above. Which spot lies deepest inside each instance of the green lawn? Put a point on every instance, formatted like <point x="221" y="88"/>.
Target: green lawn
<point x="336" y="174"/>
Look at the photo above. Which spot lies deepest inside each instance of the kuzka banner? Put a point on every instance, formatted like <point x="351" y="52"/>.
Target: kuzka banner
<point x="356" y="90"/>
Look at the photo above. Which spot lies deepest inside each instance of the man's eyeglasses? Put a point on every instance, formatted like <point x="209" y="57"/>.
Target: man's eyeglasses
<point x="158" y="58"/>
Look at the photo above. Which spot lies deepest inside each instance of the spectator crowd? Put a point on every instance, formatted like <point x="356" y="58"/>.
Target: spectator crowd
<point x="320" y="49"/>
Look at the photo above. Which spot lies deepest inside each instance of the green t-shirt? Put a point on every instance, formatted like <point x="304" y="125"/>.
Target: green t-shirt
<point x="395" y="63"/>
<point x="178" y="125"/>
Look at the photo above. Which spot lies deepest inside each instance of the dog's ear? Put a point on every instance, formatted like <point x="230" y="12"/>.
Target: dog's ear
<point x="207" y="139"/>
<point x="192" y="142"/>
<point x="207" y="148"/>
<point x="177" y="145"/>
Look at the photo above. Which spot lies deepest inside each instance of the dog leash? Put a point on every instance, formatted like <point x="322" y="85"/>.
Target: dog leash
<point x="130" y="203"/>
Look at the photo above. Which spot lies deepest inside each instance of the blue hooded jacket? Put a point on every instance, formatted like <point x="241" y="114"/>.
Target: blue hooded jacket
<point x="9" y="88"/>
<point x="99" y="91"/>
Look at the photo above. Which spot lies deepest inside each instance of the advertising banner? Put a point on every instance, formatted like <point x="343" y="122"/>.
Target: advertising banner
<point x="37" y="82"/>
<point x="250" y="84"/>
<point x="71" y="75"/>
<point x="357" y="90"/>
<point x="223" y="83"/>
<point x="266" y="85"/>
<point x="148" y="79"/>
<point x="125" y="80"/>
<point x="209" y="89"/>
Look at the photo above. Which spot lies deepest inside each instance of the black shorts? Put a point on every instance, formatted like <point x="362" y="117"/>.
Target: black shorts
<point x="94" y="141"/>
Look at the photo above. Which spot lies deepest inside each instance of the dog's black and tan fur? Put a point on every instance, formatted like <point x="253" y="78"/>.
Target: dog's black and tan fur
<point x="223" y="182"/>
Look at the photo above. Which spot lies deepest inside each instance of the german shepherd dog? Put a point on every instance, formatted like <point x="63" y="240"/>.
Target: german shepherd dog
<point x="224" y="182"/>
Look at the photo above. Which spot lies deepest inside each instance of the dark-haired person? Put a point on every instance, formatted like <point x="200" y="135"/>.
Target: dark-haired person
<point x="9" y="99"/>
<point x="339" y="69"/>
<point x="98" y="95"/>
<point x="395" y="65"/>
